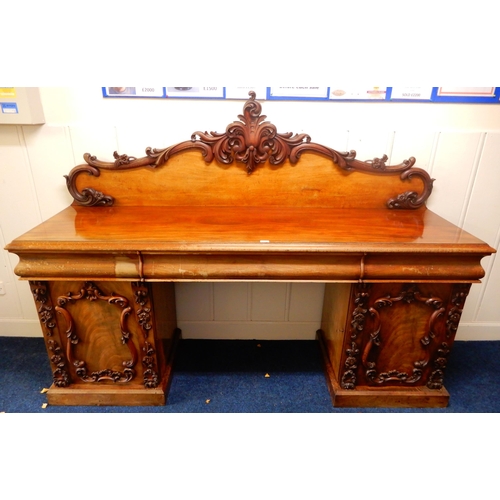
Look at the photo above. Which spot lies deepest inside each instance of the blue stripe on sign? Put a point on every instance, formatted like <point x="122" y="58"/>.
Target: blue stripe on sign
<point x="9" y="107"/>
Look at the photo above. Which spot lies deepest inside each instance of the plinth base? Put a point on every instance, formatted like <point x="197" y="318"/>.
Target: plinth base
<point x="379" y="397"/>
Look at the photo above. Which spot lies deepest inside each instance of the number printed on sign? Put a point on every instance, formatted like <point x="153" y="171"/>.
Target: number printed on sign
<point x="150" y="92"/>
<point x="420" y="93"/>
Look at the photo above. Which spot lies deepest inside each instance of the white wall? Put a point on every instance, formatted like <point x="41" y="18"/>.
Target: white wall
<point x="459" y="144"/>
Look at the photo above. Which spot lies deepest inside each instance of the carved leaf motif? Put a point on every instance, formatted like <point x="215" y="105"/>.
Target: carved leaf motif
<point x="45" y="312"/>
<point x="145" y="318"/>
<point x="90" y="292"/>
<point x="357" y="325"/>
<point x="455" y="313"/>
<point x="251" y="141"/>
<point x="407" y="295"/>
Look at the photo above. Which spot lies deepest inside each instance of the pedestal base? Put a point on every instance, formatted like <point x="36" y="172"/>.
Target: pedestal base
<point x="115" y="395"/>
<point x="379" y="397"/>
<point x="112" y="396"/>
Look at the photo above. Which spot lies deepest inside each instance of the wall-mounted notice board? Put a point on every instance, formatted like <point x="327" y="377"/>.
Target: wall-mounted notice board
<point x="485" y="95"/>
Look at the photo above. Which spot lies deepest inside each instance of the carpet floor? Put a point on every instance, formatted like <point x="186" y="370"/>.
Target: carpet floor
<point x="248" y="376"/>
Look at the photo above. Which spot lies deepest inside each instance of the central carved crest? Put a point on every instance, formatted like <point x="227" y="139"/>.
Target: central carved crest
<point x="253" y="140"/>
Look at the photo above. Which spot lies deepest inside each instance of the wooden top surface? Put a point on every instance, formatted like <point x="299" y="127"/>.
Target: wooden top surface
<point x="246" y="229"/>
<point x="249" y="203"/>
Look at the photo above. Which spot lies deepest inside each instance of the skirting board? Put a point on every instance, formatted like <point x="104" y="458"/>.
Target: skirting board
<point x="478" y="331"/>
<point x="20" y="328"/>
<point x="262" y="330"/>
<point x="241" y="330"/>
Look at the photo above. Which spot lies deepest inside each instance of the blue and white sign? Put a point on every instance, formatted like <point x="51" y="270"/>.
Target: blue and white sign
<point x="9" y="108"/>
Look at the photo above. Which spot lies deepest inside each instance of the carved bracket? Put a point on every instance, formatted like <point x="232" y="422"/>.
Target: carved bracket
<point x="251" y="141"/>
<point x="357" y="325"/>
<point x="459" y="294"/>
<point x="143" y="311"/>
<point x="45" y="311"/>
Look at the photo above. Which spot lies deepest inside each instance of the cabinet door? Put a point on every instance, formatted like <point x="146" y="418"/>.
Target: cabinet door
<point x="100" y="333"/>
<point x="401" y="334"/>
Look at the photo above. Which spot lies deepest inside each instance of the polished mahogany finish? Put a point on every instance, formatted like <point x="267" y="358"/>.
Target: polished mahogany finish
<point x="253" y="142"/>
<point x="287" y="243"/>
<point x="249" y="204"/>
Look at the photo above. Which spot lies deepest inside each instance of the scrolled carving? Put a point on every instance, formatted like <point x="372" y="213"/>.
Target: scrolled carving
<point x="39" y="291"/>
<point x="107" y="374"/>
<point x="60" y="375"/>
<point x="251" y="141"/>
<point x="436" y="378"/>
<point x="379" y="163"/>
<point x="90" y="292"/>
<point x="411" y="199"/>
<point x="359" y="313"/>
<point x="122" y="159"/>
<point x="144" y="315"/>
<point x="88" y="197"/>
<point x="351" y="365"/>
<point x="144" y="312"/>
<point x="45" y="311"/>
<point x="151" y="379"/>
<point x="407" y="295"/>
<point x="460" y="293"/>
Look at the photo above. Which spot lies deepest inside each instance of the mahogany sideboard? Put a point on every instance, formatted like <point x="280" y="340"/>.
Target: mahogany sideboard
<point x="249" y="204"/>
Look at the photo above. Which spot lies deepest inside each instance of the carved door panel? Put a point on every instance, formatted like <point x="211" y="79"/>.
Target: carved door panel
<point x="401" y="334"/>
<point x="103" y="332"/>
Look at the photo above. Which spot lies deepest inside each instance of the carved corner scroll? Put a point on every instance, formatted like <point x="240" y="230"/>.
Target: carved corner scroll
<point x="251" y="141"/>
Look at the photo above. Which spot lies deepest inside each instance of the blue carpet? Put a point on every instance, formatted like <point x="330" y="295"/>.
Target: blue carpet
<point x="230" y="375"/>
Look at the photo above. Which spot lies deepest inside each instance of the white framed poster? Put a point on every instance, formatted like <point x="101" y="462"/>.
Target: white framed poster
<point x="414" y="93"/>
<point x="358" y="93"/>
<point x="466" y="91"/>
<point x="141" y="91"/>
<point x="298" y="92"/>
<point x="242" y="92"/>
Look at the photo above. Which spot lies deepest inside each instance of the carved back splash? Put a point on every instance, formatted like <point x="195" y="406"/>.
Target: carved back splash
<point x="250" y="164"/>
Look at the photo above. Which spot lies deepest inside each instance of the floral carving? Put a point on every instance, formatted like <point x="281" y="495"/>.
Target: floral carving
<point x="90" y="292"/>
<point x="144" y="317"/>
<point x="251" y="141"/>
<point x="437" y="376"/>
<point x="407" y="295"/>
<point x="357" y="325"/>
<point x="151" y="379"/>
<point x="60" y="375"/>
<point x="46" y="314"/>
<point x="459" y="295"/>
